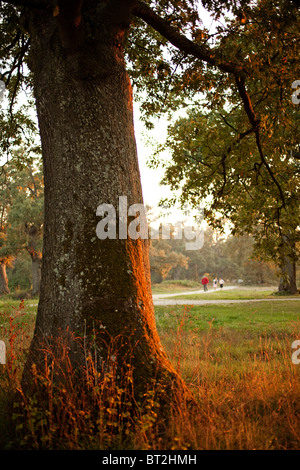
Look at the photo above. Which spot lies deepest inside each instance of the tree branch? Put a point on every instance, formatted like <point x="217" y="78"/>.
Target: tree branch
<point x="255" y="123"/>
<point x="266" y="164"/>
<point x="240" y="83"/>
<point x="211" y="57"/>
<point x="237" y="139"/>
<point x="228" y="123"/>
<point x="181" y="42"/>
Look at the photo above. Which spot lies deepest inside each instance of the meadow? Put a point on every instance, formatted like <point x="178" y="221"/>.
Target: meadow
<point x="167" y="287"/>
<point x="235" y="294"/>
<point x="237" y="360"/>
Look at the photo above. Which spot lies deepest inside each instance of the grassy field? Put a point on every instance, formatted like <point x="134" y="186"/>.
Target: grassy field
<point x="248" y="317"/>
<point x="237" y="360"/>
<point x="167" y="287"/>
<point x="234" y="294"/>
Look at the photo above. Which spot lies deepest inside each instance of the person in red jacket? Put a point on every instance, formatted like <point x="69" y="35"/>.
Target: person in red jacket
<point x="205" y="282"/>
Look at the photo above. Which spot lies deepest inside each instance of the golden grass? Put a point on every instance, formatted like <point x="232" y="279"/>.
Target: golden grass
<point x="246" y="385"/>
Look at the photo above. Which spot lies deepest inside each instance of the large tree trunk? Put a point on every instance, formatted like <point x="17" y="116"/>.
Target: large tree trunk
<point x="84" y="104"/>
<point x="287" y="282"/>
<point x="4" y="289"/>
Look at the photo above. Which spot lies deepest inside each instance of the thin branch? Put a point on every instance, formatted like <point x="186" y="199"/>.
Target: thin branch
<point x="14" y="42"/>
<point x="263" y="159"/>
<point x="228" y="123"/>
<point x="182" y="42"/>
<point x="222" y="162"/>
<point x="227" y="152"/>
<point x="240" y="82"/>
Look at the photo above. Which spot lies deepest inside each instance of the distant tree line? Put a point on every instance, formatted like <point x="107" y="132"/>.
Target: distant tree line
<point x="21" y="228"/>
<point x="231" y="258"/>
<point x="21" y="222"/>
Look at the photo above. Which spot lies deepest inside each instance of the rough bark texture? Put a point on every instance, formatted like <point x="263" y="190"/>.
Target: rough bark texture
<point x="4" y="289"/>
<point x="84" y="104"/>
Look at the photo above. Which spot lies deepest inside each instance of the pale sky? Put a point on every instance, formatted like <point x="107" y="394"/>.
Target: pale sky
<point x="152" y="190"/>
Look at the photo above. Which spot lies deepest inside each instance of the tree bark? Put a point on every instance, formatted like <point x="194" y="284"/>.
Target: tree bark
<point x="287" y="282"/>
<point x="84" y="105"/>
<point x="4" y="289"/>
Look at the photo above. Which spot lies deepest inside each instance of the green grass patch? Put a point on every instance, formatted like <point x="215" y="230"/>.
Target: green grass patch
<point x="258" y="316"/>
<point x="166" y="287"/>
<point x="23" y="311"/>
<point x="234" y="294"/>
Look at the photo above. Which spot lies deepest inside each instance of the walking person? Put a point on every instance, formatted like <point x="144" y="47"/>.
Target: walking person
<point x="221" y="283"/>
<point x="215" y="283"/>
<point x="205" y="282"/>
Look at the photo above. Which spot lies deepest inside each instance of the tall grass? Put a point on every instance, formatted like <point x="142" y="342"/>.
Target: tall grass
<point x="245" y="383"/>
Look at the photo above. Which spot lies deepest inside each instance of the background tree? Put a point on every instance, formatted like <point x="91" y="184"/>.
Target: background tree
<point x="6" y="254"/>
<point x="26" y="216"/>
<point x="231" y="257"/>
<point x="242" y="161"/>
<point x="21" y="211"/>
<point x="163" y="259"/>
<point x="20" y="275"/>
<point x="5" y="261"/>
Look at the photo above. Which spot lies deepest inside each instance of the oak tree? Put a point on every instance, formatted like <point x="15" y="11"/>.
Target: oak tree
<point x="83" y="98"/>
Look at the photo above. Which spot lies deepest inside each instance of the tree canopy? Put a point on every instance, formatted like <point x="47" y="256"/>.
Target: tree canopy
<point x="236" y="149"/>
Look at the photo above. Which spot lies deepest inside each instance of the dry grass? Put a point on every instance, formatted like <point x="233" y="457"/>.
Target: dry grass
<point x="246" y="385"/>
